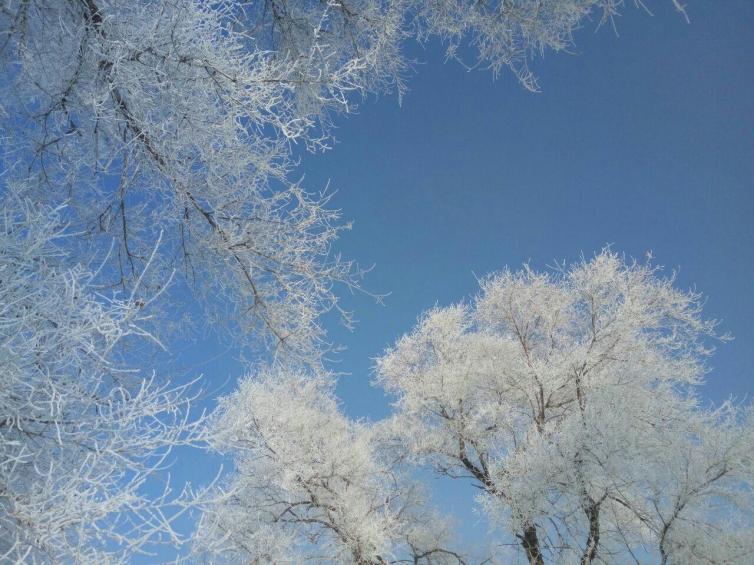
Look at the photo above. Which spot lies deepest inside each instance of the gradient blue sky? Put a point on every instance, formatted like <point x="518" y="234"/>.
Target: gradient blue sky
<point x="643" y="140"/>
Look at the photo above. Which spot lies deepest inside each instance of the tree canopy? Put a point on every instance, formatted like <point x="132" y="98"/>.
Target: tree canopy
<point x="570" y="399"/>
<point x="149" y="172"/>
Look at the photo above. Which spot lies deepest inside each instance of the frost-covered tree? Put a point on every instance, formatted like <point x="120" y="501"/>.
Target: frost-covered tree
<point x="176" y="121"/>
<point x="180" y="116"/>
<point x="82" y="438"/>
<point x="310" y="485"/>
<point x="569" y="397"/>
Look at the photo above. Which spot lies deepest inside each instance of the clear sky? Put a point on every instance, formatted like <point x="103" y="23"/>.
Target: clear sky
<point x="643" y="140"/>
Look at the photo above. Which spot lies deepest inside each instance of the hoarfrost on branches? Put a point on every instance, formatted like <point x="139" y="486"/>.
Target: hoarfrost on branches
<point x="164" y="134"/>
<point x="569" y="397"/>
<point x="82" y="438"/>
<point x="181" y="117"/>
<point x="309" y="485"/>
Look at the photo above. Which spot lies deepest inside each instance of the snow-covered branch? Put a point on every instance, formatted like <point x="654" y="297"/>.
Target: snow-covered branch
<point x="569" y="397"/>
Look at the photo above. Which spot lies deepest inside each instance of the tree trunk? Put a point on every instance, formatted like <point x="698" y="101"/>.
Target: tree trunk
<point x="530" y="543"/>
<point x="593" y="540"/>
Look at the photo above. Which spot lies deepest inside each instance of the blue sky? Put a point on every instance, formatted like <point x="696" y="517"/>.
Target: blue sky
<point x="643" y="140"/>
